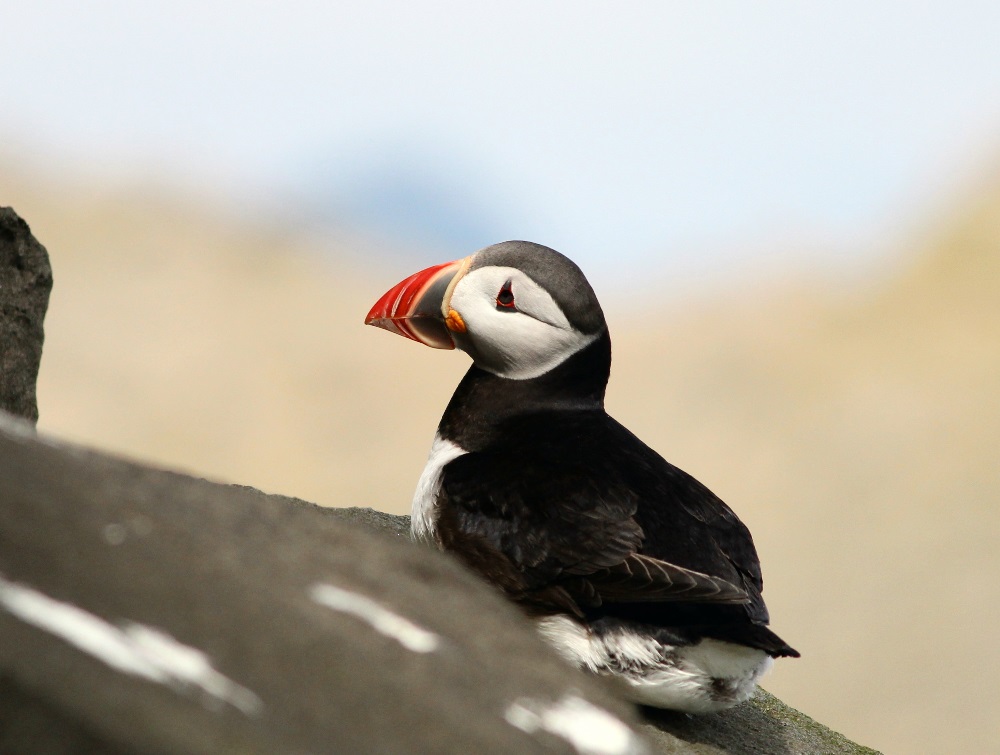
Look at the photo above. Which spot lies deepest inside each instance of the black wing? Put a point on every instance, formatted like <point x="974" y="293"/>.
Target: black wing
<point x="577" y="513"/>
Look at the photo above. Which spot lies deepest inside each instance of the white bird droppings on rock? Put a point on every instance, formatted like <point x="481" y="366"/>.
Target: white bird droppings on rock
<point x="589" y="729"/>
<point x="114" y="533"/>
<point x="380" y="618"/>
<point x="132" y="648"/>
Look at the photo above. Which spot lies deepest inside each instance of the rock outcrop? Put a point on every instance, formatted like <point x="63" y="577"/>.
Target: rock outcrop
<point x="144" y="611"/>
<point x="147" y="611"/>
<point x="25" y="283"/>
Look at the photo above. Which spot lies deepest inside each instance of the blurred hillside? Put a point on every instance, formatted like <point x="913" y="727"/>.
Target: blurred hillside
<point x="855" y="431"/>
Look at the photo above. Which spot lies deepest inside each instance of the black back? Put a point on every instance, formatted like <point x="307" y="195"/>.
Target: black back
<point x="567" y="511"/>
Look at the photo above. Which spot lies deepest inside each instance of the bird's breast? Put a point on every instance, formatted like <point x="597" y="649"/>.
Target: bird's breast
<point x="424" y="510"/>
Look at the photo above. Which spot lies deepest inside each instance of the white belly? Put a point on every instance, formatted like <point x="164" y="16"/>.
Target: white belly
<point x="423" y="511"/>
<point x="710" y="676"/>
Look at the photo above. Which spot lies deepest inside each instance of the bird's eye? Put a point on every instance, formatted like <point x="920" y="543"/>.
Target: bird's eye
<point x="505" y="299"/>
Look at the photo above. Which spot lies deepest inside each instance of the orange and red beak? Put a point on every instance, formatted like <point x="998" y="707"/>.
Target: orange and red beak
<point x="419" y="306"/>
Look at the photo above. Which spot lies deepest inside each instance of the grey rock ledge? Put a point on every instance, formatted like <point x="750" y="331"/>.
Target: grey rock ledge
<point x="240" y="621"/>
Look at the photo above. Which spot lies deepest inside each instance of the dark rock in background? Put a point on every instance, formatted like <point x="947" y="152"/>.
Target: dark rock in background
<point x="25" y="283"/>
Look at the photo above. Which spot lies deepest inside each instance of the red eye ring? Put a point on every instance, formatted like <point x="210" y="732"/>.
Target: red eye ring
<point x="505" y="299"/>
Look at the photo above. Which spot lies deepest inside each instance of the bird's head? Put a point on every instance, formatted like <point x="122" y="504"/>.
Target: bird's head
<point x="517" y="308"/>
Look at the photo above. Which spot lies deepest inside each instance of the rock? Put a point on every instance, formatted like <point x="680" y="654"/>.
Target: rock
<point x="762" y="726"/>
<point x="25" y="283"/>
<point x="143" y="611"/>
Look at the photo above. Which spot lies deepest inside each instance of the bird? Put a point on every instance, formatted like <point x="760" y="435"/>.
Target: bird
<point x="629" y="566"/>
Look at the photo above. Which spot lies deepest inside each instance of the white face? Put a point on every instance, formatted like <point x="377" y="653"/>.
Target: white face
<point x="521" y="341"/>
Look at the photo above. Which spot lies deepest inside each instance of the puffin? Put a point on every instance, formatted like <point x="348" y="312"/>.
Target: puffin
<point x="629" y="567"/>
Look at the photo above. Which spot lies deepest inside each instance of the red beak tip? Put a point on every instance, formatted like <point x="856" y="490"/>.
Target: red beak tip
<point x="408" y="308"/>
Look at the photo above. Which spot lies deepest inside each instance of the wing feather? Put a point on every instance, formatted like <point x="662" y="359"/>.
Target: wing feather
<point x="561" y="525"/>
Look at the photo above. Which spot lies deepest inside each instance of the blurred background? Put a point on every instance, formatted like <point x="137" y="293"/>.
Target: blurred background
<point x="790" y="211"/>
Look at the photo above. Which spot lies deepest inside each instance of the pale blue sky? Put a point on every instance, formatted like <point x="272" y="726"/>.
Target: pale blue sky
<point x="696" y="135"/>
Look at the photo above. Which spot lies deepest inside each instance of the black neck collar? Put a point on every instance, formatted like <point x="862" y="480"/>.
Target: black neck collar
<point x="483" y="400"/>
